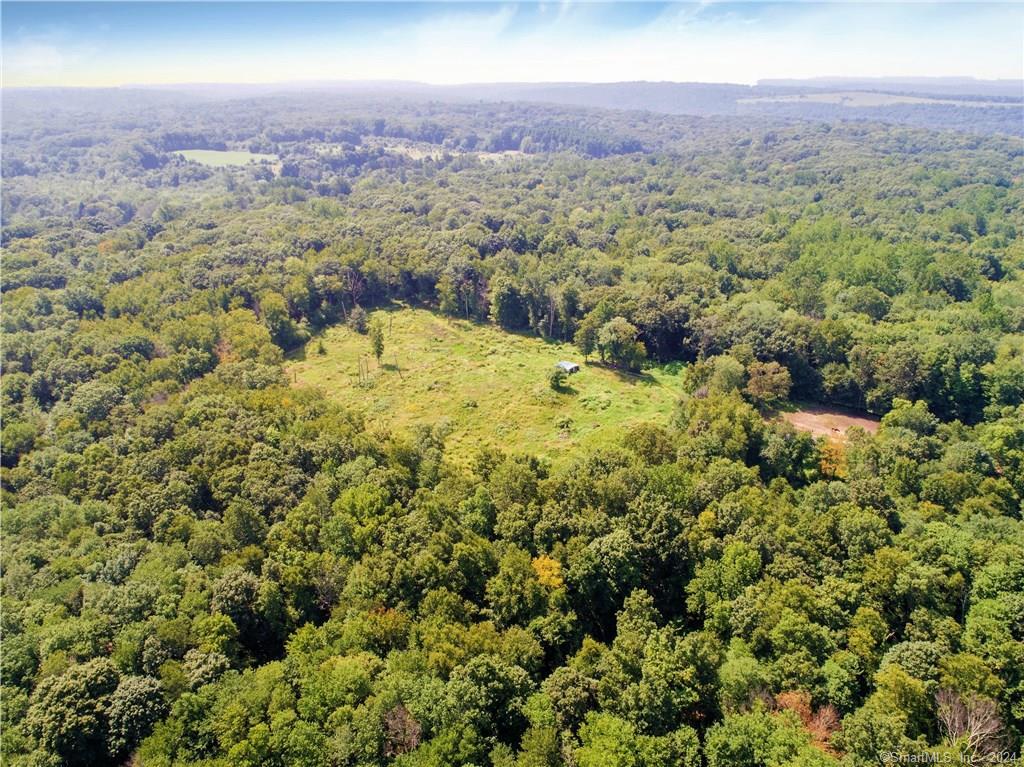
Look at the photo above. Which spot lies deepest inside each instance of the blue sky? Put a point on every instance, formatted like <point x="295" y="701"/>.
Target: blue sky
<point x="86" y="43"/>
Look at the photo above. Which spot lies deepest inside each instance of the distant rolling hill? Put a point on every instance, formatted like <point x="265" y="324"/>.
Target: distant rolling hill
<point x="977" y="106"/>
<point x="933" y="86"/>
<point x="952" y="103"/>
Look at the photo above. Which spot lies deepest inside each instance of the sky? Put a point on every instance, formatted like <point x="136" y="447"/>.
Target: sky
<point x="119" y="43"/>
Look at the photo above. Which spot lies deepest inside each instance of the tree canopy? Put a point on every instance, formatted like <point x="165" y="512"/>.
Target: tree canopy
<point x="204" y="565"/>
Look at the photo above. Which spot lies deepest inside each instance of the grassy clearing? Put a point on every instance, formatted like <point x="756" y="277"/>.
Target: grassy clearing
<point x="217" y="158"/>
<point x="489" y="386"/>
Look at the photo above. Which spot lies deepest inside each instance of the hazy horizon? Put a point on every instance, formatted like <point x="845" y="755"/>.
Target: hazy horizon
<point x="85" y="44"/>
<point x="823" y="81"/>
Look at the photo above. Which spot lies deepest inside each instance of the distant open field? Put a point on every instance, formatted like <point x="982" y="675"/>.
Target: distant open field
<point x="222" y="158"/>
<point x="425" y="151"/>
<point x="829" y="422"/>
<point x="870" y="99"/>
<point x="490" y="386"/>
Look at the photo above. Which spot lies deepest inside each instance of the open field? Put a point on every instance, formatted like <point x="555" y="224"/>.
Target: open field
<point x="829" y="422"/>
<point x="871" y="99"/>
<point x="490" y="386"/>
<point x="217" y="158"/>
<point x="421" y="150"/>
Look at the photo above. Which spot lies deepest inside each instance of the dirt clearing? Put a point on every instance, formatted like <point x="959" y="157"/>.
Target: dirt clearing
<point x="830" y="422"/>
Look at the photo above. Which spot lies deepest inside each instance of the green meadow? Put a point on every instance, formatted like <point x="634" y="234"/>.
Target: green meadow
<point x="488" y="387"/>
<point x="222" y="158"/>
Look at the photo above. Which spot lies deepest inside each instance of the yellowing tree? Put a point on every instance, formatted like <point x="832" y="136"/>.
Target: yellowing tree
<point x="549" y="572"/>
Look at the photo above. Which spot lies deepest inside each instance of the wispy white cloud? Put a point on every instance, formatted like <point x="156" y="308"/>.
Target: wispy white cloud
<point x="44" y="60"/>
<point x="34" y="58"/>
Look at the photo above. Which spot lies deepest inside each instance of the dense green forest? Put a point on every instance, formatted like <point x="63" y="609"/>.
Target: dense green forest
<point x="204" y="564"/>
